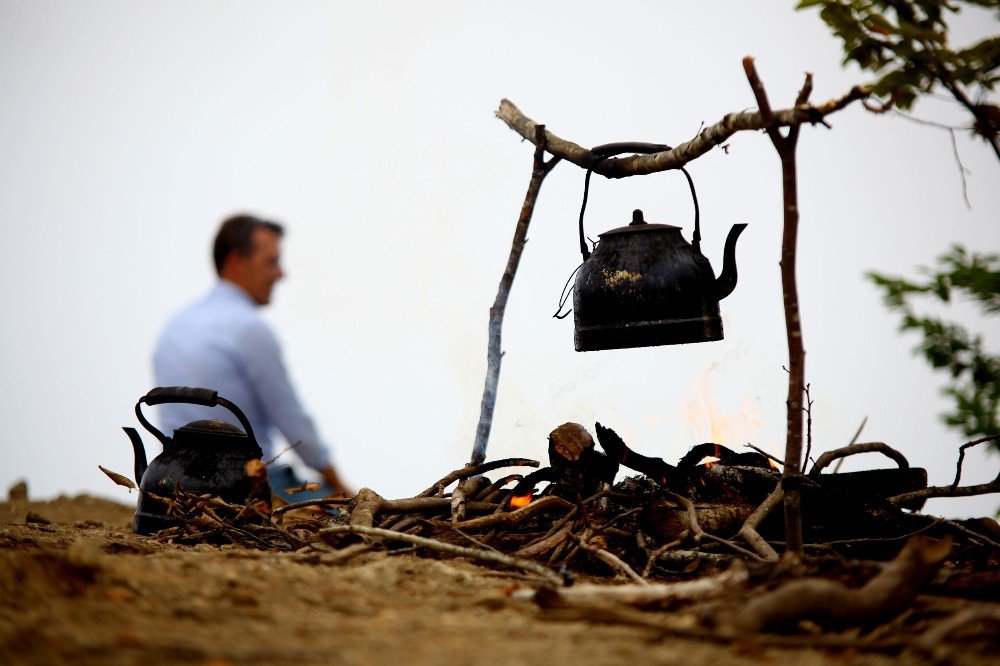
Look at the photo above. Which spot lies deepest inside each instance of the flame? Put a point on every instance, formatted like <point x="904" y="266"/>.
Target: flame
<point x="774" y="464"/>
<point x="708" y="461"/>
<point x="712" y="425"/>
<point x="517" y="501"/>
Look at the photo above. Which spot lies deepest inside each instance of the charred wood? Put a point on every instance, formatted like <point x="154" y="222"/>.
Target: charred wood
<point x="667" y="520"/>
<point x="577" y="467"/>
<point x="654" y="468"/>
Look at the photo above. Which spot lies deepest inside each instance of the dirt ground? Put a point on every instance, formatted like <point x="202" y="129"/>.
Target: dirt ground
<point x="83" y="589"/>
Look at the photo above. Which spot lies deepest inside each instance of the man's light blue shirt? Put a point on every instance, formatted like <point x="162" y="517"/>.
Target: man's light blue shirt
<point x="222" y="343"/>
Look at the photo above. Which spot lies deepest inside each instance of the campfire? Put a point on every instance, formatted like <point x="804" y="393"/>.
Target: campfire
<point x="665" y="532"/>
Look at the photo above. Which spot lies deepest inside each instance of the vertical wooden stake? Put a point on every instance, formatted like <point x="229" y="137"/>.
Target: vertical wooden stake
<point x="539" y="170"/>
<point x="791" y="477"/>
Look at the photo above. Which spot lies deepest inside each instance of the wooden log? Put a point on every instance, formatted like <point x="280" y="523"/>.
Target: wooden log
<point x="748" y="484"/>
<point x="577" y="466"/>
<point x="667" y="520"/>
<point x="883" y="482"/>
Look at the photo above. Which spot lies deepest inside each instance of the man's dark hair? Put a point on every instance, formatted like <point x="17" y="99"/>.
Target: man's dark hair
<point x="236" y="234"/>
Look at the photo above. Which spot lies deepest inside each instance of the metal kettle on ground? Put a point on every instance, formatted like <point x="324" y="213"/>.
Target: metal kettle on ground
<point x="208" y="456"/>
<point x="644" y="284"/>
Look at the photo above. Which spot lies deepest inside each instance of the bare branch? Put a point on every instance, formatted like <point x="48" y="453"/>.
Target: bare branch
<point x="494" y="353"/>
<point x="514" y="517"/>
<point x="854" y="449"/>
<point x="473" y="470"/>
<point x="749" y="529"/>
<point x="471" y="553"/>
<point x="885" y="595"/>
<point x="702" y="589"/>
<point x="948" y="491"/>
<point x="961" y="454"/>
<point x="706" y="139"/>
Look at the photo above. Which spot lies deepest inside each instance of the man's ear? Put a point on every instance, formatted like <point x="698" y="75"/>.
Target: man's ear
<point x="233" y="264"/>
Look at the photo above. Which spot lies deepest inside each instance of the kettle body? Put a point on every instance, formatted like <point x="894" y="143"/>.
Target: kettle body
<point x="645" y="285"/>
<point x="208" y="456"/>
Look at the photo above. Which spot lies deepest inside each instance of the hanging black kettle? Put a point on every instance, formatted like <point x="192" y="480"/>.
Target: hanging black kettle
<point x="208" y="456"/>
<point x="644" y="285"/>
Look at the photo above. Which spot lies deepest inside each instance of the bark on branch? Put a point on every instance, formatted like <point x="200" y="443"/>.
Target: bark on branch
<point x="471" y="553"/>
<point x="708" y="138"/>
<point x="885" y="595"/>
<point x="494" y="354"/>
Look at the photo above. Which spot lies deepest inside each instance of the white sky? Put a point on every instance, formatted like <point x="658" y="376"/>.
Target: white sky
<point x="128" y="130"/>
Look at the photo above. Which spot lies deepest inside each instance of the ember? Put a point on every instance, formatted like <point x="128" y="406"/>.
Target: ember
<point x="517" y="501"/>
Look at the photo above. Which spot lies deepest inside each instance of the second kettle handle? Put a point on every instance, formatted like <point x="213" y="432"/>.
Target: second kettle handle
<point x="190" y="395"/>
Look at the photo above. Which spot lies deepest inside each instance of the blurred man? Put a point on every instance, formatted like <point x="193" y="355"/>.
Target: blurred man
<point x="222" y="343"/>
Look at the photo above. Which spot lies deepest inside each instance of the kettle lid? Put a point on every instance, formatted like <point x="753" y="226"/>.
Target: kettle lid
<point x="639" y="225"/>
<point x="211" y="427"/>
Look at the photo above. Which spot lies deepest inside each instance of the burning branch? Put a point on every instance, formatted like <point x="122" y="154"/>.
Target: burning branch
<point x="514" y="517"/>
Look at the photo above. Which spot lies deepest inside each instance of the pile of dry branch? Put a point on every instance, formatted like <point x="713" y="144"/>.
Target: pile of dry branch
<point x="697" y="538"/>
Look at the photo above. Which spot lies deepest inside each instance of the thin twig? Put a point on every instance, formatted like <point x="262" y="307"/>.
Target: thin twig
<point x="948" y="491"/>
<point x="854" y="440"/>
<point x="749" y="529"/>
<point x="546" y="543"/>
<point x="961" y="454"/>
<point x="467" y="537"/>
<point x="698" y="534"/>
<point x="614" y="561"/>
<point x="764" y="453"/>
<point x="655" y="555"/>
<point x="460" y="551"/>
<point x="472" y="470"/>
<point x="809" y="427"/>
<point x="337" y="501"/>
<point x="512" y="518"/>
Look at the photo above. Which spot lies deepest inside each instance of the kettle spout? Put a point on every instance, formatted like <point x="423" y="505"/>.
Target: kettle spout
<point x="140" y="454"/>
<point x="726" y="282"/>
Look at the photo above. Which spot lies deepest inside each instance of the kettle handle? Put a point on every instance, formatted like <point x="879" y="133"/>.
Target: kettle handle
<point x="608" y="150"/>
<point x="190" y="395"/>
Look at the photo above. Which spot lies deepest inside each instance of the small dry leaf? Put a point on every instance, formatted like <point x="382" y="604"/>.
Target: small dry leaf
<point x="303" y="488"/>
<point x="262" y="507"/>
<point x="118" y="478"/>
<point x="255" y="468"/>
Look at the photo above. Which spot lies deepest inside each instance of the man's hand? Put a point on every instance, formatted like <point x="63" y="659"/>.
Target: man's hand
<point x="333" y="480"/>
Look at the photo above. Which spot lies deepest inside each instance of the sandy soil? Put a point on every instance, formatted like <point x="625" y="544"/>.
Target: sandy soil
<point x="82" y="589"/>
